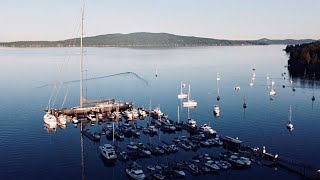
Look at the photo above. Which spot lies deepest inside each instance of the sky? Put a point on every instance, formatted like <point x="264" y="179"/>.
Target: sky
<point x="221" y="19"/>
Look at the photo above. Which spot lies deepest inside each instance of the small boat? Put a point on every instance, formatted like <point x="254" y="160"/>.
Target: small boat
<point x="132" y="146"/>
<point x="142" y="112"/>
<point x="235" y="161"/>
<point x="100" y="116"/>
<point x="157" y="113"/>
<point x="313" y="98"/>
<point x="218" y="92"/>
<point x="207" y="129"/>
<point x="92" y="117"/>
<point x="144" y="152"/>
<point x="244" y="103"/>
<point x="191" y="124"/>
<point x="62" y="119"/>
<point x="190" y="103"/>
<point x="127" y="114"/>
<point x="182" y="95"/>
<point x="237" y="88"/>
<point x="75" y="120"/>
<point x="180" y="173"/>
<point x="205" y="143"/>
<point x="246" y="161"/>
<point x="152" y="128"/>
<point x="108" y="152"/>
<point x="173" y="148"/>
<point x="212" y="165"/>
<point x="223" y="165"/>
<point x="123" y="156"/>
<point x="158" y="176"/>
<point x="289" y="124"/>
<point x="272" y="91"/>
<point x="135" y="173"/>
<point x="51" y="120"/>
<point x="216" y="110"/>
<point x="194" y="169"/>
<point x="151" y="168"/>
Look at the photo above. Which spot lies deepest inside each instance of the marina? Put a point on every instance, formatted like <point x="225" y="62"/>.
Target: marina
<point x="262" y="118"/>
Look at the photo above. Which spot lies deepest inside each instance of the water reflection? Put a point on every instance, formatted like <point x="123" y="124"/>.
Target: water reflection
<point x="49" y="129"/>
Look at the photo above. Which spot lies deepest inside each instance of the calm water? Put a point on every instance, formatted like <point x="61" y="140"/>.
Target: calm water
<point x="28" y="151"/>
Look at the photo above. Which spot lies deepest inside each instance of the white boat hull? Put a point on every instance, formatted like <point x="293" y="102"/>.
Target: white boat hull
<point x="182" y="96"/>
<point x="50" y="120"/>
<point x="190" y="104"/>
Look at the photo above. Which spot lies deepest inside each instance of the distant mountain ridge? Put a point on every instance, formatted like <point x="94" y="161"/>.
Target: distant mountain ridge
<point x="145" y="39"/>
<point x="285" y="41"/>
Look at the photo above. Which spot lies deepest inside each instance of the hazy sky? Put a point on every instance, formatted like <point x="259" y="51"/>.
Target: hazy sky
<point x="222" y="19"/>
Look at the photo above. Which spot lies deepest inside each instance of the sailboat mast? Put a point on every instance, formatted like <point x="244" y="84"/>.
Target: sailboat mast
<point x="178" y="115"/>
<point x="290" y="114"/>
<point x="189" y="93"/>
<point x="113" y="132"/>
<point x="218" y="83"/>
<point x="81" y="61"/>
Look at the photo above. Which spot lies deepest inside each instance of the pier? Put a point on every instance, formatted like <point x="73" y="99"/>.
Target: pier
<point x="101" y="106"/>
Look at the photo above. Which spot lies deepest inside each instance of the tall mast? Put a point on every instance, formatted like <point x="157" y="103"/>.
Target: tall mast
<point x="218" y="78"/>
<point x="81" y="61"/>
<point x="178" y="115"/>
<point x="189" y="93"/>
<point x="290" y="114"/>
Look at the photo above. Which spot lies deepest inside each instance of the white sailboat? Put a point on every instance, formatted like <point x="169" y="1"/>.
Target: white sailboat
<point x="268" y="82"/>
<point x="182" y="95"/>
<point x="156" y="74"/>
<point x="216" y="110"/>
<point x="190" y="103"/>
<point x="313" y="98"/>
<point x="289" y="124"/>
<point x="218" y="91"/>
<point x="244" y="103"/>
<point x="237" y="88"/>
<point x="50" y="120"/>
<point x="272" y="91"/>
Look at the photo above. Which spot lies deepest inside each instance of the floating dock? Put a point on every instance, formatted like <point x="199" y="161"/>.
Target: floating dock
<point x="103" y="106"/>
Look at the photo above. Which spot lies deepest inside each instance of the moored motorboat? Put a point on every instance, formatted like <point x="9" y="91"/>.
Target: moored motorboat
<point x="158" y="176"/>
<point x="108" y="152"/>
<point x="132" y="146"/>
<point x="207" y="129"/>
<point x="179" y="173"/>
<point x="216" y="110"/>
<point x="135" y="173"/>
<point x="212" y="165"/>
<point x="191" y="124"/>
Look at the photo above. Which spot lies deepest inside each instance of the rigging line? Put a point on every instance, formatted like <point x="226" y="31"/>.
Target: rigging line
<point x="55" y="98"/>
<point x="101" y="77"/>
<point x="72" y="40"/>
<point x="49" y="103"/>
<point x="65" y="97"/>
